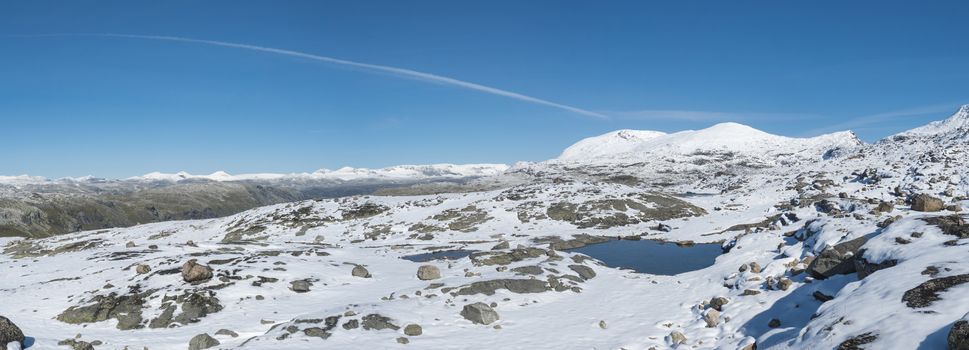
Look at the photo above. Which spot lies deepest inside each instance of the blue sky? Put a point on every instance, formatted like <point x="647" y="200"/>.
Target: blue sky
<point x="118" y="107"/>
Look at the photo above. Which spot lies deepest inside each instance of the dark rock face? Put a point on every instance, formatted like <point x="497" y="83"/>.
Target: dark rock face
<point x="513" y="285"/>
<point x="927" y="203"/>
<point x="951" y="225"/>
<point x="193" y="272"/>
<point x="202" y="341"/>
<point x="856" y="342"/>
<point x="927" y="293"/>
<point x="959" y="335"/>
<point x="865" y="268"/>
<point x="479" y="313"/>
<point x="9" y="332"/>
<point x="837" y="260"/>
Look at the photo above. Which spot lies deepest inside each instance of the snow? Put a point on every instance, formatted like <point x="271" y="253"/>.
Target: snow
<point x="766" y="198"/>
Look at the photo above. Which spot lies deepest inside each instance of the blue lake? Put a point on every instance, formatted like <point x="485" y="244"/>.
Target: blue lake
<point x="652" y="257"/>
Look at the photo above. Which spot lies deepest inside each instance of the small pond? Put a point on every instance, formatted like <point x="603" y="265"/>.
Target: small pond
<point x="439" y="255"/>
<point x="652" y="257"/>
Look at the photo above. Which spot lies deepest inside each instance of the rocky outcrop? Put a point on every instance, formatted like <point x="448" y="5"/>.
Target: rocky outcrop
<point x="9" y="332"/>
<point x="124" y="308"/>
<point x="837" y="260"/>
<point x="953" y="225"/>
<point x="928" y="292"/>
<point x="958" y="338"/>
<point x="512" y="285"/>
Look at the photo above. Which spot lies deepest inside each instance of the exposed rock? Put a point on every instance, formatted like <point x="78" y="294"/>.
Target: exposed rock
<point x="774" y="323"/>
<point x="927" y="203"/>
<point x="479" y="313"/>
<point x="928" y="292"/>
<point x="193" y="272"/>
<point x="856" y="342"/>
<point x="951" y="225"/>
<point x="501" y="246"/>
<point x="755" y="267"/>
<point x="413" y="330"/>
<point x="712" y="318"/>
<point x="717" y="303"/>
<point x="954" y="208"/>
<point x="124" y="308"/>
<point x="750" y="292"/>
<point x="784" y="283"/>
<point x="428" y="272"/>
<point x="584" y="271"/>
<point x="360" y="271"/>
<point x="351" y="324"/>
<point x="9" y="332"/>
<point x="317" y="332"/>
<point x="76" y="344"/>
<point x="837" y="260"/>
<point x="378" y="322"/>
<point x="130" y="244"/>
<point x="865" y="268"/>
<point x="959" y="335"/>
<point x="227" y="332"/>
<point x="677" y="338"/>
<point x="202" y="341"/>
<point x="528" y="270"/>
<point x="819" y="296"/>
<point x="885" y="207"/>
<point x="142" y="269"/>
<point x="300" y="286"/>
<point x="505" y="258"/>
<point x="512" y="285"/>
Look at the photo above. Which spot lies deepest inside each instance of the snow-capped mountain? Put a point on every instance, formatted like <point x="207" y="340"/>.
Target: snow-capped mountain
<point x="630" y="146"/>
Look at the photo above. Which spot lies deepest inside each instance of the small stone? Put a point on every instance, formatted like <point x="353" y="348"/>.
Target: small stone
<point x="717" y="303"/>
<point x="428" y="272"/>
<point x="202" y="341"/>
<point x="227" y="333"/>
<point x="751" y="292"/>
<point x="774" y="323"/>
<point x="602" y="324"/>
<point x="130" y="244"/>
<point x="142" y="269"/>
<point x="784" y="284"/>
<point x="712" y="318"/>
<point x="413" y="330"/>
<point x="301" y="286"/>
<point x="403" y="340"/>
<point x="755" y="267"/>
<point x="360" y="271"/>
<point x="677" y="338"/>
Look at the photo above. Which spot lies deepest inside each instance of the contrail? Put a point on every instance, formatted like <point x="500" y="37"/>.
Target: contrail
<point x="400" y="72"/>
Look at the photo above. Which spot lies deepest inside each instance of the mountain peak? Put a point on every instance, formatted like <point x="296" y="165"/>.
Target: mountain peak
<point x="956" y="125"/>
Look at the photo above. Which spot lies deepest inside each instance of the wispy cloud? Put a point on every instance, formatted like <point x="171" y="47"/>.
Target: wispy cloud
<point x="399" y="72"/>
<point x="864" y="122"/>
<point x="704" y="116"/>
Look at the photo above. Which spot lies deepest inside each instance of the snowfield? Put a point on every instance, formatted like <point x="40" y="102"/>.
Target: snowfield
<point x="829" y="243"/>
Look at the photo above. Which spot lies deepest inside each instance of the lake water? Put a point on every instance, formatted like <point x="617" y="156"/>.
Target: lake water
<point x="441" y="255"/>
<point x="653" y="257"/>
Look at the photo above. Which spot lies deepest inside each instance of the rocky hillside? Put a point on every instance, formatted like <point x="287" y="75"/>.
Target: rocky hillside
<point x="828" y="243"/>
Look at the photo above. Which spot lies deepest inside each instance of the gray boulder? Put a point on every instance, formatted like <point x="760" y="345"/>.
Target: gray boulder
<point x="9" y="332"/>
<point x="837" y="260"/>
<point x="413" y="330"/>
<point x="479" y="313"/>
<point x="428" y="272"/>
<point x="519" y="286"/>
<point x="927" y="203"/>
<point x="193" y="272"/>
<point x="584" y="271"/>
<point x="300" y="286"/>
<point x="360" y="271"/>
<point x="202" y="341"/>
<point x="378" y="322"/>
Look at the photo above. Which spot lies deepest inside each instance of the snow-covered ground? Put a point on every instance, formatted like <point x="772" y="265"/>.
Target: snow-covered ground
<point x="824" y="249"/>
